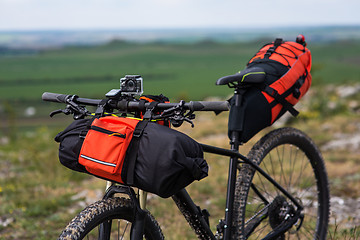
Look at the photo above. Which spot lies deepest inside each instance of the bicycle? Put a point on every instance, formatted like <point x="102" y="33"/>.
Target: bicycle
<point x="278" y="191"/>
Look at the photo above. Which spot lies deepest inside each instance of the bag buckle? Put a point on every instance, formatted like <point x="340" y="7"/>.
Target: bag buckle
<point x="83" y="134"/>
<point x="138" y="132"/>
<point x="140" y="128"/>
<point x="149" y="110"/>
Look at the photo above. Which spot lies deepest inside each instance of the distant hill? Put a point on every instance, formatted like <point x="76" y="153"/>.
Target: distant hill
<point x="58" y="38"/>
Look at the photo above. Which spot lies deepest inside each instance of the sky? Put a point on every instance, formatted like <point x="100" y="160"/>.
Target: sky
<point x="150" y="14"/>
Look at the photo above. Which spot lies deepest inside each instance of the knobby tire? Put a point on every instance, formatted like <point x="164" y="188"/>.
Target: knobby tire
<point x="118" y="210"/>
<point x="293" y="160"/>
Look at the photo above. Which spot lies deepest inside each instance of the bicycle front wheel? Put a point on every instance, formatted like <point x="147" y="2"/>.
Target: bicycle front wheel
<point x="293" y="161"/>
<point x="114" y="214"/>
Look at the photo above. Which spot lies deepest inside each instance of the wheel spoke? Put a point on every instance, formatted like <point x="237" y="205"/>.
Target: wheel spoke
<point x="294" y="163"/>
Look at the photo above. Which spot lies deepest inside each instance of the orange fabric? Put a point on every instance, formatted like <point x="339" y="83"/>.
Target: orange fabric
<point x="103" y="154"/>
<point x="286" y="49"/>
<point x="147" y="99"/>
<point x="298" y="67"/>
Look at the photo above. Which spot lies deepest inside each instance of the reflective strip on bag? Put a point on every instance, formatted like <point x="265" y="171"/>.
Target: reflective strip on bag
<point x="98" y="161"/>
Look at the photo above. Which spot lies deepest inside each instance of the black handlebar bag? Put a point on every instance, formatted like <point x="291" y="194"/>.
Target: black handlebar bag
<point x="162" y="160"/>
<point x="158" y="159"/>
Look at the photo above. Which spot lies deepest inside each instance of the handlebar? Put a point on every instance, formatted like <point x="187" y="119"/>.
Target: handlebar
<point x="216" y="106"/>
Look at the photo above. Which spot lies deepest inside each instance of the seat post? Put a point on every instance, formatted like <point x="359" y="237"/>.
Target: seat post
<point x="235" y="143"/>
<point x="238" y="108"/>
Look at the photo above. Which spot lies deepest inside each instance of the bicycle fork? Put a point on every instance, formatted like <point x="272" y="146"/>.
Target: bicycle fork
<point x="137" y="227"/>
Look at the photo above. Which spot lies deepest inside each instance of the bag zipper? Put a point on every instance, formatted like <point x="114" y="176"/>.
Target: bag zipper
<point x="110" y="133"/>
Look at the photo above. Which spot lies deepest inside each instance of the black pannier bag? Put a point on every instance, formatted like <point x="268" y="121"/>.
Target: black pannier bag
<point x="159" y="159"/>
<point x="275" y="79"/>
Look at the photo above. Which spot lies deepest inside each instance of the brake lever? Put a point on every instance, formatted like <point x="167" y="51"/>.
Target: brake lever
<point x="178" y="107"/>
<point x="189" y="121"/>
<point x="53" y="113"/>
<point x="176" y="115"/>
<point x="64" y="111"/>
<point x="72" y="108"/>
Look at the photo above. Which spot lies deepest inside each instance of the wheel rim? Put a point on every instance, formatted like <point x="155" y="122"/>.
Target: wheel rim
<point x="290" y="167"/>
<point x="119" y="229"/>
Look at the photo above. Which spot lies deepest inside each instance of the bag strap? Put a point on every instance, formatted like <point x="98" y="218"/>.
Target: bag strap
<point x="298" y="84"/>
<point x="149" y="110"/>
<point x="132" y="152"/>
<point x="271" y="50"/>
<point x="101" y="108"/>
<point x="280" y="99"/>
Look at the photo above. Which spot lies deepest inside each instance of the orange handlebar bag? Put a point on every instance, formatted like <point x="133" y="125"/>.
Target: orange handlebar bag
<point x="104" y="148"/>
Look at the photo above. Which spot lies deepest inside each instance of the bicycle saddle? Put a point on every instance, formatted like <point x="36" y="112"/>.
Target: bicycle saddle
<point x="253" y="75"/>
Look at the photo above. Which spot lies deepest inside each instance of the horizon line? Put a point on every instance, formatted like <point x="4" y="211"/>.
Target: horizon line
<point x="217" y="28"/>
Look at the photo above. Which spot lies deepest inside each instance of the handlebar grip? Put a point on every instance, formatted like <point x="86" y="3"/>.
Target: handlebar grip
<point x="209" y="106"/>
<point x="54" y="97"/>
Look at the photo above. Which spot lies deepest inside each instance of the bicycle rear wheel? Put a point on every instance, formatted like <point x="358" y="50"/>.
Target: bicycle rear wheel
<point x="118" y="213"/>
<point x="293" y="160"/>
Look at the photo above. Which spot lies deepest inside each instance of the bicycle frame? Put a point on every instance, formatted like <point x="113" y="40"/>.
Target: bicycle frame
<point x="183" y="196"/>
<point x="234" y="156"/>
<point x="191" y="207"/>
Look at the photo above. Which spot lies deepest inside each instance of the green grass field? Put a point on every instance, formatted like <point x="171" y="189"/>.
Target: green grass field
<point x="175" y="70"/>
<point x="170" y="69"/>
<point x="179" y="71"/>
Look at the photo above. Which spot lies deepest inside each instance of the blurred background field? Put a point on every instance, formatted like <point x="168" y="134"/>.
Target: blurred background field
<point x="167" y="66"/>
<point x="38" y="196"/>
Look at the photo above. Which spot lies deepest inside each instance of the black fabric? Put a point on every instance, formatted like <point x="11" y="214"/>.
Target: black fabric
<point x="131" y="153"/>
<point x="254" y="114"/>
<point x="70" y="143"/>
<point x="167" y="161"/>
<point x="274" y="70"/>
